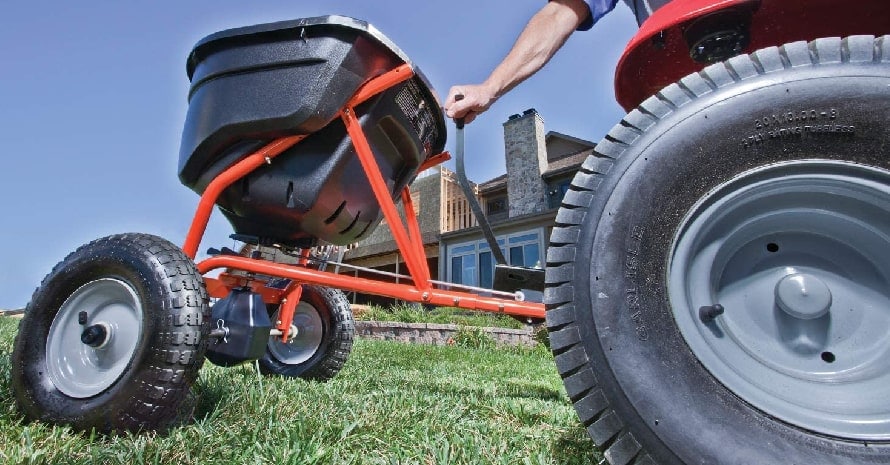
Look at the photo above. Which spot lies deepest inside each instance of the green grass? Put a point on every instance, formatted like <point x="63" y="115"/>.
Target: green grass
<point x="392" y="404"/>
<point x="408" y="313"/>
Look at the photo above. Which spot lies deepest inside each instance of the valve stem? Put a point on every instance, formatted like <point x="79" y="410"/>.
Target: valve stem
<point x="707" y="313"/>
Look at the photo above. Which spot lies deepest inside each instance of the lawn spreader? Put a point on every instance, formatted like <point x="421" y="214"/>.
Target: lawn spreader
<point x="305" y="134"/>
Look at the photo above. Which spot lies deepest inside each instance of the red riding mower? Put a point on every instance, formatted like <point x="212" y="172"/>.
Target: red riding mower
<point x="717" y="281"/>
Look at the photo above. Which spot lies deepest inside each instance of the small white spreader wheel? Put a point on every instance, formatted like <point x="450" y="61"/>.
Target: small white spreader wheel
<point x="323" y="340"/>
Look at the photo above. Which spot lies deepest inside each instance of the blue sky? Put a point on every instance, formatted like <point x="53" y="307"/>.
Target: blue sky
<point x="93" y="97"/>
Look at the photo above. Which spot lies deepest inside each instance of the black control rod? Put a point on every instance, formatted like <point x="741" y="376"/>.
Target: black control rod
<point x="471" y="196"/>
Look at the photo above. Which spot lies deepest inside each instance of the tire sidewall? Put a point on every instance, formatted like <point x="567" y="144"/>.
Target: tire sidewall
<point x="668" y="398"/>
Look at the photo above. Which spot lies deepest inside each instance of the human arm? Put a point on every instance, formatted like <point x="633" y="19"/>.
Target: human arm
<point x="544" y="34"/>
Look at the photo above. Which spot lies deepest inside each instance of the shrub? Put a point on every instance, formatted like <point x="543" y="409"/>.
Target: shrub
<point x="414" y="313"/>
<point x="542" y="336"/>
<point x="473" y="338"/>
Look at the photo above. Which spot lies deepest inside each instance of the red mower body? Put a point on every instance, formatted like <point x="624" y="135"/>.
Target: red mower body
<point x="662" y="51"/>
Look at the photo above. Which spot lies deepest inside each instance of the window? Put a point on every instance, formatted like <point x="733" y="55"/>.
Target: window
<point x="463" y="270"/>
<point x="486" y="270"/>
<point x="456" y="264"/>
<point x="556" y="191"/>
<point x="524" y="238"/>
<point x="526" y="256"/>
<point x="468" y="270"/>
<point x="487" y="263"/>
<point x="516" y="256"/>
<point x="463" y="249"/>
<point x="496" y="205"/>
<point x="526" y="252"/>
<point x="473" y="263"/>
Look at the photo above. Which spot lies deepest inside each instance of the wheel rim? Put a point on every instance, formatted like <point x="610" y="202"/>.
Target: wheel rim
<point x="798" y="256"/>
<point x="82" y="370"/>
<point x="310" y="330"/>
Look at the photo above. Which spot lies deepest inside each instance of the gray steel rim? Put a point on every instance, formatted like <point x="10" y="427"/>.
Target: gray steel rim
<point x="798" y="255"/>
<point x="77" y="369"/>
<point x="301" y="348"/>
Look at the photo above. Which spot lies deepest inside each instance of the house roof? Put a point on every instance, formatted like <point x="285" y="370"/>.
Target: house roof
<point x="497" y="183"/>
<point x="568" y="137"/>
<point x="568" y="163"/>
<point x="554" y="168"/>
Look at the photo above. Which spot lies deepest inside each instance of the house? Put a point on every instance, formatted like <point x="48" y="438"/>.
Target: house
<point x="521" y="207"/>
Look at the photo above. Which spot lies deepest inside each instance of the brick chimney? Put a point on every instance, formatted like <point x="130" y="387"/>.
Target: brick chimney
<point x="526" y="155"/>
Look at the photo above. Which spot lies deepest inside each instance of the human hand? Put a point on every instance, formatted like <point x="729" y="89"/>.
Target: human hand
<point x="476" y="99"/>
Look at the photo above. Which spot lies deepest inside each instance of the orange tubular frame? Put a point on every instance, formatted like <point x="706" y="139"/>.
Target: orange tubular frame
<point x="407" y="237"/>
<point x="226" y="179"/>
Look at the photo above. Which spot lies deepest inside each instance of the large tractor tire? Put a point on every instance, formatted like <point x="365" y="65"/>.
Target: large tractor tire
<point x="325" y="330"/>
<point x="113" y="338"/>
<point x="719" y="276"/>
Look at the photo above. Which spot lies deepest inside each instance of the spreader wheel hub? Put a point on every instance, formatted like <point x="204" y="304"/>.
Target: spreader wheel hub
<point x="803" y="296"/>
<point x="96" y="335"/>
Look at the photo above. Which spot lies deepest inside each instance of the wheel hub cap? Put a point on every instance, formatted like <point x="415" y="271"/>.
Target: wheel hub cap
<point x="96" y="336"/>
<point x="803" y="296"/>
<point x="304" y="339"/>
<point x="797" y="255"/>
<point x="84" y="359"/>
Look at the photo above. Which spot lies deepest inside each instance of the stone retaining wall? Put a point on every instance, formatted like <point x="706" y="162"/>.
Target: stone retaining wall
<point x="437" y="334"/>
<point x="418" y="333"/>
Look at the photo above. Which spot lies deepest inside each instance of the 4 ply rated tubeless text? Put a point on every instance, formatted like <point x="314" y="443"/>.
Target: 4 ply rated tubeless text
<point x="632" y="292"/>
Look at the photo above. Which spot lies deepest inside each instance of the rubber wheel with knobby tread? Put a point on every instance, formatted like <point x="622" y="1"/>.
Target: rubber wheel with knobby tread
<point x="325" y="331"/>
<point x="761" y="184"/>
<point x="113" y="338"/>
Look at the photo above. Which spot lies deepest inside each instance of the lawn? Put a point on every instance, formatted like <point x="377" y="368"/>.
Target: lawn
<point x="392" y="404"/>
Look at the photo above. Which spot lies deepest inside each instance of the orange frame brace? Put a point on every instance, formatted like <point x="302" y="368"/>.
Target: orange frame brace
<point x="287" y="309"/>
<point x="411" y="293"/>
<point x="408" y="237"/>
<point x="226" y="179"/>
